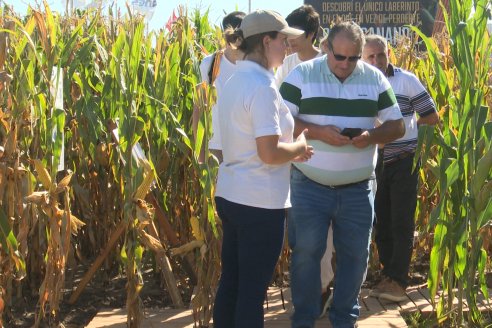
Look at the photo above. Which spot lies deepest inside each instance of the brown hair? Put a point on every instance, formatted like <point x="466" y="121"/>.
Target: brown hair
<point x="350" y="30"/>
<point x="306" y="18"/>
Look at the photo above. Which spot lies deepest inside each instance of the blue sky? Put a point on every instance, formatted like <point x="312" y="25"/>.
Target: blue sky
<point x="165" y="7"/>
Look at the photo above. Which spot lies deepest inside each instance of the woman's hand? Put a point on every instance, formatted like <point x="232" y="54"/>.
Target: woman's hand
<point x="308" y="150"/>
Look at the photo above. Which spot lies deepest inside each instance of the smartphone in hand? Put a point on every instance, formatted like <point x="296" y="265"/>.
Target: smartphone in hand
<point x="351" y="132"/>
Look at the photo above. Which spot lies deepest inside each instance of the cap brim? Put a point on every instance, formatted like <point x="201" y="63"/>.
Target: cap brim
<point x="292" y="32"/>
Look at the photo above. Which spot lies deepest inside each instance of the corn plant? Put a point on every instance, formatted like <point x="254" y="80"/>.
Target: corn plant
<point x="462" y="166"/>
<point x="121" y="88"/>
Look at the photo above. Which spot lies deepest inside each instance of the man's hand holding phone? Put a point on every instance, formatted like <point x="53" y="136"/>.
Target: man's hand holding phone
<point x="351" y="132"/>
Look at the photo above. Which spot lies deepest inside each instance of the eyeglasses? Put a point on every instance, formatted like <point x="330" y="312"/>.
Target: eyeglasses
<point x="342" y="58"/>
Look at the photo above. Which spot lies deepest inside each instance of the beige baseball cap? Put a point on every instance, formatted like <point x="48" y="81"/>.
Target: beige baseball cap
<point x="262" y="21"/>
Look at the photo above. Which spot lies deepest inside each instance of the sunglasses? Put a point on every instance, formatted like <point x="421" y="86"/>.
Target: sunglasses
<point x="342" y="58"/>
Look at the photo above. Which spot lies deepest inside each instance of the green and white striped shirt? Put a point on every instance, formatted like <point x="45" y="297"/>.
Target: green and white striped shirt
<point x="315" y="95"/>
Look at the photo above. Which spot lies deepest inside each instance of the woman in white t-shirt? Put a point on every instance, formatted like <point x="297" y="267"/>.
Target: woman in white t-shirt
<point x="253" y="181"/>
<point x="225" y="59"/>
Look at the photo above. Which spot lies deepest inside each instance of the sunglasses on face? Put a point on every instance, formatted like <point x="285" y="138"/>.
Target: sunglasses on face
<point x="343" y="58"/>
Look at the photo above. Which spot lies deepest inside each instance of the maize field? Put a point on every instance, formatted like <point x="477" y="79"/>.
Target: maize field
<point x="99" y="161"/>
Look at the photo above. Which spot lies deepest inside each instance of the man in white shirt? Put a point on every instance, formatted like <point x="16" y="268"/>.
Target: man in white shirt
<point x="396" y="196"/>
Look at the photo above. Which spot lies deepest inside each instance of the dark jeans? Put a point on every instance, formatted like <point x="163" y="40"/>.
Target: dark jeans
<point x="252" y="241"/>
<point x="395" y="203"/>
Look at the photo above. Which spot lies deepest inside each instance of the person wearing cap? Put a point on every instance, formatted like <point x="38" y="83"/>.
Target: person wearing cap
<point x="253" y="181"/>
<point x="225" y="59"/>
<point x="339" y="99"/>
<point x="306" y="18"/>
<point x="396" y="196"/>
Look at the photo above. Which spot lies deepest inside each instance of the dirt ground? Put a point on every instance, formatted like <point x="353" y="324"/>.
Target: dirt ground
<point x="100" y="293"/>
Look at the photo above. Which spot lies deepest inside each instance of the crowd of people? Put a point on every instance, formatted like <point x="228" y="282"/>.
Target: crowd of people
<point x="323" y="139"/>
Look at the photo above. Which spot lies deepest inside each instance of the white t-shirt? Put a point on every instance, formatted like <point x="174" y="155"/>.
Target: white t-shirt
<point x="251" y="107"/>
<point x="225" y="72"/>
<point x="288" y="65"/>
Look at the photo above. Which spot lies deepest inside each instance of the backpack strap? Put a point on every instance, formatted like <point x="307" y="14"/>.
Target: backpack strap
<point x="214" y="70"/>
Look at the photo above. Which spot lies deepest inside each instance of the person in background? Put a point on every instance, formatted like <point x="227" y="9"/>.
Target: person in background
<point x="307" y="19"/>
<point x="396" y="196"/>
<point x="253" y="181"/>
<point x="223" y="62"/>
<point x="338" y="98"/>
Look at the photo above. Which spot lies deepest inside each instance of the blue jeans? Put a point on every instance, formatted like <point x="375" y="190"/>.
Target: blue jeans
<point x="350" y="211"/>
<point x="251" y="244"/>
<point x="396" y="200"/>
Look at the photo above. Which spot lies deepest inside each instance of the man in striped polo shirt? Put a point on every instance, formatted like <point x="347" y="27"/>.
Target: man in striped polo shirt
<point x="396" y="196"/>
<point x="327" y="95"/>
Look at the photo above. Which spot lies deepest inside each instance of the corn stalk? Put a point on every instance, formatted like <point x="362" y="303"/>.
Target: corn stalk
<point x="463" y="163"/>
<point x="111" y="71"/>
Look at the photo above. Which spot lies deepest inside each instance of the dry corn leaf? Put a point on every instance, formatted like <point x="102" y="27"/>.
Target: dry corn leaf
<point x="60" y="187"/>
<point x="75" y="224"/>
<point x="195" y="228"/>
<point x="188" y="247"/>
<point x="37" y="197"/>
<point x="150" y="241"/>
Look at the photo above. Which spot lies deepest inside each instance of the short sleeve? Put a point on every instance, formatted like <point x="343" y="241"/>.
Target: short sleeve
<point x="264" y="111"/>
<point x="420" y="99"/>
<point x="205" y="67"/>
<point x="388" y="109"/>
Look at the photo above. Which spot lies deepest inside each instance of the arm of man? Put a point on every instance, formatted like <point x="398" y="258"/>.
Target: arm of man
<point x="421" y="102"/>
<point x="385" y="133"/>
<point x="292" y="94"/>
<point x="392" y="127"/>
<point x="431" y="119"/>
<point x="329" y="134"/>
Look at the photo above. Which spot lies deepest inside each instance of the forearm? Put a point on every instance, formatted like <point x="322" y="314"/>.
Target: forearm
<point x="431" y="119"/>
<point x="284" y="152"/>
<point x="387" y="132"/>
<point x="272" y="151"/>
<point x="314" y="130"/>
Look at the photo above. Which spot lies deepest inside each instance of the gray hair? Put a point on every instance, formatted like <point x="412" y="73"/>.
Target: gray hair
<point x="378" y="39"/>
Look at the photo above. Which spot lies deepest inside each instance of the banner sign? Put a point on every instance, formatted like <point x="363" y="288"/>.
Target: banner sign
<point x="386" y="18"/>
<point x="145" y="7"/>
